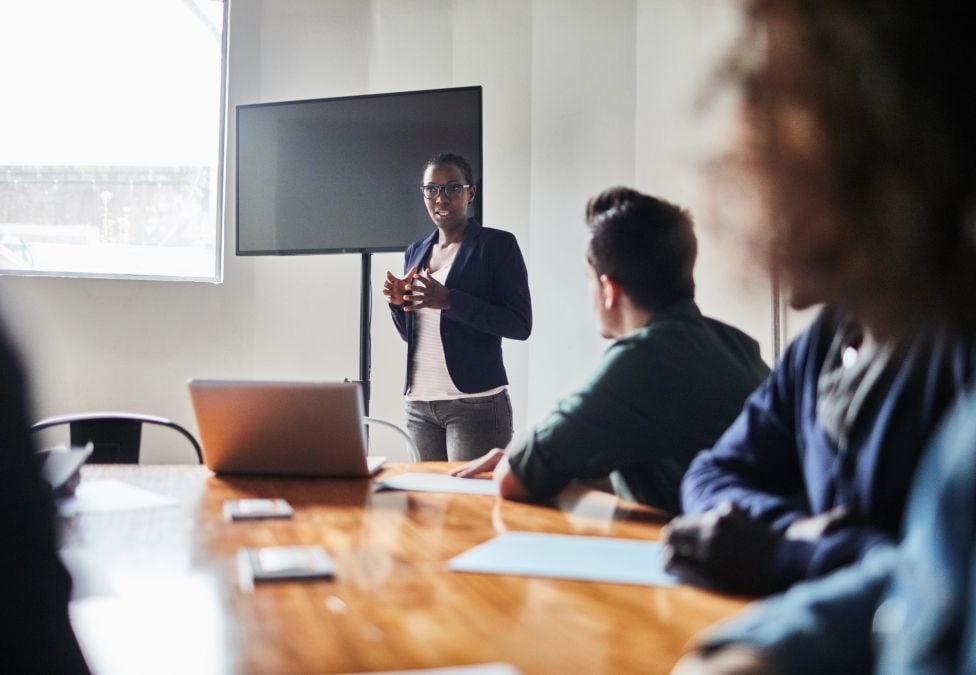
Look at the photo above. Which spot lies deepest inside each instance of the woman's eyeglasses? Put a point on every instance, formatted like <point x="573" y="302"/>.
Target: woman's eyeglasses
<point x="450" y="190"/>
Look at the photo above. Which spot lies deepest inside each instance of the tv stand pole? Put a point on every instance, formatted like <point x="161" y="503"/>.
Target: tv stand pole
<point x="365" y="310"/>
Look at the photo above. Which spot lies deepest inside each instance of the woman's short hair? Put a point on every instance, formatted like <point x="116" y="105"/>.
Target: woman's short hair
<point x="449" y="159"/>
<point x="862" y="135"/>
<point x="645" y="244"/>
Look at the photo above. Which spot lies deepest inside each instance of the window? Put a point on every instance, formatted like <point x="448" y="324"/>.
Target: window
<point x="110" y="138"/>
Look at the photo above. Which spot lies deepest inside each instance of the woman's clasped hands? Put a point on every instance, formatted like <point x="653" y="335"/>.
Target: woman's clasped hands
<point x="397" y="290"/>
<point x="416" y="290"/>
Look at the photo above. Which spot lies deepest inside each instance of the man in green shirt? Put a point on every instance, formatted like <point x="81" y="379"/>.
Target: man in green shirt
<point x="668" y="386"/>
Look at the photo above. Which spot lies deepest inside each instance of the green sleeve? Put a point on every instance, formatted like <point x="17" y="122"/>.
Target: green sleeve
<point x="603" y="426"/>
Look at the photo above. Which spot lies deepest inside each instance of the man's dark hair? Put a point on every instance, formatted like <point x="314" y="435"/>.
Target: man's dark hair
<point x="449" y="159"/>
<point x="645" y="244"/>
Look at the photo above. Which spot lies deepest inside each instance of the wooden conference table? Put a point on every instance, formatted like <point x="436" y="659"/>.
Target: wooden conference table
<point x="163" y="594"/>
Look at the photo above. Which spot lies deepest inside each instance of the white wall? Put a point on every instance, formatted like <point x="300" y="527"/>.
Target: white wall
<point x="615" y="98"/>
<point x="583" y="105"/>
<point x="684" y="125"/>
<point x="578" y="96"/>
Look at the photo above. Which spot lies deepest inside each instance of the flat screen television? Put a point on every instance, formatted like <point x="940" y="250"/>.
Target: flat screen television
<point x="343" y="175"/>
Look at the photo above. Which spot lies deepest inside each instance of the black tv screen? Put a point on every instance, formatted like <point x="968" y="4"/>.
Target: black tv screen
<point x="343" y="175"/>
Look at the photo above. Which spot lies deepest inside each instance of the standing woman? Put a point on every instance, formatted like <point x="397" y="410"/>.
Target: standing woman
<point x="465" y="288"/>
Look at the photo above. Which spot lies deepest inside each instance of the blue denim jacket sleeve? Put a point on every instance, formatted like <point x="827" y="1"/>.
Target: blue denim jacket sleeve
<point x="927" y="622"/>
<point x="821" y="626"/>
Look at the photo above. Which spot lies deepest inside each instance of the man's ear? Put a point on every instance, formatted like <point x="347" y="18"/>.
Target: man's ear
<point x="610" y="290"/>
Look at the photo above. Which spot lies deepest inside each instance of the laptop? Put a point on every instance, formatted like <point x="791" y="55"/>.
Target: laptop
<point x="282" y="428"/>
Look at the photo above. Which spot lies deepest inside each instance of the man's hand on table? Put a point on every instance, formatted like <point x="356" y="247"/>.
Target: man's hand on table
<point x="723" y="547"/>
<point x="509" y="486"/>
<point x="484" y="464"/>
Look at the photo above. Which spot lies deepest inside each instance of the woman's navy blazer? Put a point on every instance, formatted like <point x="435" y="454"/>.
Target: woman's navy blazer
<point x="489" y="289"/>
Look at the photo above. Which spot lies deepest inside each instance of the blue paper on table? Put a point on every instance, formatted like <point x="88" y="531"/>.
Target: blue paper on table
<point x="563" y="556"/>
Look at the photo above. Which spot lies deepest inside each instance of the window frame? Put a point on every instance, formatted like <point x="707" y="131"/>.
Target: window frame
<point x="219" y="229"/>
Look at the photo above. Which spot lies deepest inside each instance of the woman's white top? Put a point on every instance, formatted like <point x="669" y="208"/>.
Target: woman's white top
<point x="430" y="379"/>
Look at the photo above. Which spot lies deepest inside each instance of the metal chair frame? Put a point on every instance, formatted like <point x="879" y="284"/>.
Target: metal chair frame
<point x="116" y="435"/>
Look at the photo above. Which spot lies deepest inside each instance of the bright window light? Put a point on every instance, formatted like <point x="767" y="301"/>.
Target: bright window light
<point x="110" y="138"/>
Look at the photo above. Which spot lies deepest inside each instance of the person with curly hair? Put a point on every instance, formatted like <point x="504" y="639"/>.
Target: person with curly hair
<point x="862" y="142"/>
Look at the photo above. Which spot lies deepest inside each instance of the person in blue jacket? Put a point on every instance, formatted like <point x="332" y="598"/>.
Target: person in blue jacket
<point x="865" y="142"/>
<point x="904" y="609"/>
<point x="815" y="471"/>
<point x="465" y="288"/>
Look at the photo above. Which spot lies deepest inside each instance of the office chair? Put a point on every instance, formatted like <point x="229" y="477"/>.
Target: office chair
<point x="411" y="446"/>
<point x="116" y="435"/>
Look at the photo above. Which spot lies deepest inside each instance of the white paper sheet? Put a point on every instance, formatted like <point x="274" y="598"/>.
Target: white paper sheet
<point x="479" y="669"/>
<point x="438" y="482"/>
<point x="563" y="556"/>
<point x="89" y="578"/>
<point x="111" y="495"/>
